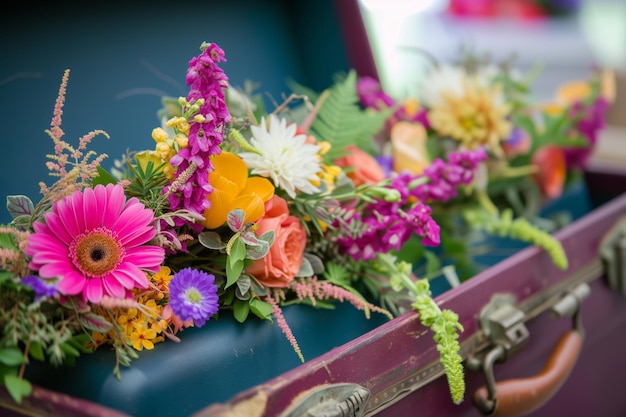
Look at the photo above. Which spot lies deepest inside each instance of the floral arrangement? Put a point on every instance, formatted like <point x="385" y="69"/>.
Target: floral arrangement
<point x="535" y="150"/>
<point x="232" y="207"/>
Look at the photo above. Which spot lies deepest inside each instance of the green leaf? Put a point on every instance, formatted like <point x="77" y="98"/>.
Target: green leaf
<point x="36" y="351"/>
<point x="103" y="177"/>
<point x="259" y="251"/>
<point x="235" y="219"/>
<point x="95" y="322"/>
<point x="11" y="356"/>
<point x="306" y="269"/>
<point x="19" y="205"/>
<point x="337" y="274"/>
<point x="240" y="310"/>
<point x="238" y="250"/>
<point x="341" y="121"/>
<point x="69" y="350"/>
<point x="316" y="263"/>
<point x="17" y="387"/>
<point x="433" y="263"/>
<point x="211" y="240"/>
<point x="235" y="262"/>
<point x="261" y="309"/>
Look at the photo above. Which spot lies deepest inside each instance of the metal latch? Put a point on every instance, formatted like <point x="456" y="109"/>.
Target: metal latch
<point x="503" y="326"/>
<point x="336" y="400"/>
<point x="613" y="254"/>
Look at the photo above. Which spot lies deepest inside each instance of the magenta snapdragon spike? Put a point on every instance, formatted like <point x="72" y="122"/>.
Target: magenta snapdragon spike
<point x="387" y="225"/>
<point x="207" y="81"/>
<point x="446" y="177"/>
<point x="591" y="122"/>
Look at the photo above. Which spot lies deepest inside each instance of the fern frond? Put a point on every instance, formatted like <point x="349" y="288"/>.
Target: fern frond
<point x="341" y="122"/>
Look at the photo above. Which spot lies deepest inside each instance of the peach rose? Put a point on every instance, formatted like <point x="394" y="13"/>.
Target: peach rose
<point x="364" y="168"/>
<point x="280" y="266"/>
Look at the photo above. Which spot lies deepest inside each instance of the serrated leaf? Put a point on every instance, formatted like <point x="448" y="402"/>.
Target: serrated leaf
<point x="95" y="322"/>
<point x="11" y="356"/>
<point x="17" y="387"/>
<point x="20" y="205"/>
<point x="211" y="240"/>
<point x="341" y="121"/>
<point x="337" y="274"/>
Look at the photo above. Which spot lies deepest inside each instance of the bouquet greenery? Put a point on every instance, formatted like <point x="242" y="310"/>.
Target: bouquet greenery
<point x="236" y="208"/>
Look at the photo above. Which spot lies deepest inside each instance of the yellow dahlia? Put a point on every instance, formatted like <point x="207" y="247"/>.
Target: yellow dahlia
<point x="475" y="117"/>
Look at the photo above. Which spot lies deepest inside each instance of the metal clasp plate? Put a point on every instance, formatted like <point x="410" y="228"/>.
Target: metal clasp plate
<point x="336" y="400"/>
<point x="613" y="254"/>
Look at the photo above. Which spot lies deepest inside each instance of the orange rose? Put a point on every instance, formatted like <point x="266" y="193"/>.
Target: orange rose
<point x="280" y="266"/>
<point x="365" y="169"/>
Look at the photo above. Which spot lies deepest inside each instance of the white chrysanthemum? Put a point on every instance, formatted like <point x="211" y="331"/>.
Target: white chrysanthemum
<point x="450" y="80"/>
<point x="444" y="80"/>
<point x="290" y="162"/>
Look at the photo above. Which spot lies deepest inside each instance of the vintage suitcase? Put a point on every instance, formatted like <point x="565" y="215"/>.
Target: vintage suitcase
<point x="537" y="340"/>
<point x="540" y="341"/>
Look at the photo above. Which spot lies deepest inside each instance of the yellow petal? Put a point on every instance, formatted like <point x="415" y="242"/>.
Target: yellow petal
<point x="221" y="205"/>
<point x="408" y="141"/>
<point x="259" y="186"/>
<point x="253" y="206"/>
<point x="608" y="85"/>
<point x="572" y="91"/>
<point x="144" y="157"/>
<point x="230" y="174"/>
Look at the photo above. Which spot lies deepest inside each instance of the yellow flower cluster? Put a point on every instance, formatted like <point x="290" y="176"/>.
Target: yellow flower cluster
<point x="328" y="173"/>
<point x="476" y="117"/>
<point x="142" y="325"/>
<point x="167" y="147"/>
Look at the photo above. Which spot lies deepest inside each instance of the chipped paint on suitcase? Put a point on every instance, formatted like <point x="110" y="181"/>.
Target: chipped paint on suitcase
<point x="397" y="366"/>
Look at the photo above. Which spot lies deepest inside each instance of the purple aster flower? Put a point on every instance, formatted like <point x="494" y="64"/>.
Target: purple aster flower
<point x="193" y="295"/>
<point x="43" y="287"/>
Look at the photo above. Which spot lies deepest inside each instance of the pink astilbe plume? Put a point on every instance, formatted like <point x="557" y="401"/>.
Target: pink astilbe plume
<point x="277" y="312"/>
<point x="324" y="290"/>
<point x="14" y="260"/>
<point x="83" y="165"/>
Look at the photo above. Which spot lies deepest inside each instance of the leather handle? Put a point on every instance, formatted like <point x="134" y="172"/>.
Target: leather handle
<point x="517" y="397"/>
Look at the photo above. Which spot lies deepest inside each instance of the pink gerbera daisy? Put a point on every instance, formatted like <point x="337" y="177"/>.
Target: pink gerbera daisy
<point x="93" y="241"/>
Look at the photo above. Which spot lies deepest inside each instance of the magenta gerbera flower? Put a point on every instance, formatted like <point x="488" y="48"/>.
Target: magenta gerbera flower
<point x="93" y="241"/>
<point x="193" y="295"/>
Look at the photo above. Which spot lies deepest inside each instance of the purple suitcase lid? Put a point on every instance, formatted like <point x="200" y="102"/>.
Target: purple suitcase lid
<point x="50" y="403"/>
<point x="406" y="345"/>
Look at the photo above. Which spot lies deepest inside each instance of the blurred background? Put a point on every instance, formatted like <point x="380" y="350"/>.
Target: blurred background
<point x="124" y="56"/>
